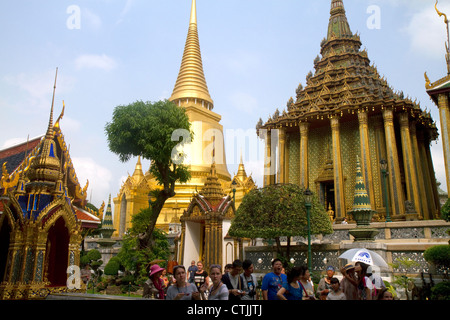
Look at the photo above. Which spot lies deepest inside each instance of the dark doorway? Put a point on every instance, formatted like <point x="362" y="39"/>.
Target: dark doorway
<point x="5" y="231"/>
<point x="57" y="253"/>
<point x="327" y="195"/>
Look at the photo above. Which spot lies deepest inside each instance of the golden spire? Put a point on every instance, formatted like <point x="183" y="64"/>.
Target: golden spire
<point x="191" y="83"/>
<point x="338" y="26"/>
<point x="138" y="173"/>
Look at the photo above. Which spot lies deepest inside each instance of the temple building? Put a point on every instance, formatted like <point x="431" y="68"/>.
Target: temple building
<point x="205" y="224"/>
<point x="439" y="92"/>
<point x="190" y="92"/>
<point x="346" y="110"/>
<point x="42" y="216"/>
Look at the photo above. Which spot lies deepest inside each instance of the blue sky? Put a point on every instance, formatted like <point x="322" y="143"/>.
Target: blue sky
<point x="255" y="53"/>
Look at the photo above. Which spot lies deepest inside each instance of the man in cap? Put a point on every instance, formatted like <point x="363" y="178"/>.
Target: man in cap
<point x="349" y="283"/>
<point x="324" y="286"/>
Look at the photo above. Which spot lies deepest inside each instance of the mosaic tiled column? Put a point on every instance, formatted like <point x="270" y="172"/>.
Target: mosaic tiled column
<point x="408" y="163"/>
<point x="339" y="198"/>
<point x="444" y="115"/>
<point x="366" y="166"/>
<point x="304" y="127"/>
<point x="397" y="197"/>
<point x="281" y="177"/>
<point x="419" y="171"/>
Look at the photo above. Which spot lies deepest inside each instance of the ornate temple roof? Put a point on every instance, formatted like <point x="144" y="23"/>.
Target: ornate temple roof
<point x="212" y="190"/>
<point x="191" y="82"/>
<point x="41" y="169"/>
<point x="344" y="82"/>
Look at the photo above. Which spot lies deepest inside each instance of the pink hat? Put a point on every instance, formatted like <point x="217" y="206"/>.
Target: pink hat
<point x="155" y="269"/>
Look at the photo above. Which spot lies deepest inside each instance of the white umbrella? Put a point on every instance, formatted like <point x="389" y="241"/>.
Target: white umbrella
<point x="364" y="255"/>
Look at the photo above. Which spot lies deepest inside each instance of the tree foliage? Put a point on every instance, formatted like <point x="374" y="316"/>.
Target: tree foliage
<point x="276" y="211"/>
<point x="147" y="129"/>
<point x="135" y="258"/>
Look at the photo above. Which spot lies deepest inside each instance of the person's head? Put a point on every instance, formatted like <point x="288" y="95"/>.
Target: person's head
<point x="385" y="294"/>
<point x="293" y="274"/>
<point x="155" y="271"/>
<point x="237" y="267"/>
<point x="193" y="263"/>
<point x="179" y="273"/>
<point x="215" y="273"/>
<point x="200" y="265"/>
<point x="228" y="267"/>
<point x="304" y="273"/>
<point x="277" y="266"/>
<point x="330" y="271"/>
<point x="361" y="268"/>
<point x="247" y="265"/>
<point x="334" y="282"/>
<point x="349" y="268"/>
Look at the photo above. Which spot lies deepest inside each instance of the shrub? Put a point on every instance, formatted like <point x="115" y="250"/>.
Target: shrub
<point x="438" y="255"/>
<point x="112" y="268"/>
<point x="445" y="211"/>
<point x="441" y="291"/>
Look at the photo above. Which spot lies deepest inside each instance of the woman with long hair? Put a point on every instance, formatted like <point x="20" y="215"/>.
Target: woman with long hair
<point x="291" y="289"/>
<point x="182" y="290"/>
<point x="218" y="290"/>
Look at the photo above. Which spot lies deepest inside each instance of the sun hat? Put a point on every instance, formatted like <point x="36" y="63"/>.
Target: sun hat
<point x="155" y="269"/>
<point x="349" y="266"/>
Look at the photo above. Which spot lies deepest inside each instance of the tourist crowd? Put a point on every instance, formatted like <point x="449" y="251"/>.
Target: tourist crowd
<point x="238" y="282"/>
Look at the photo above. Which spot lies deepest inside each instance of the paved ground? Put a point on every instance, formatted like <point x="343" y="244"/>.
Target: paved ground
<point x="87" y="296"/>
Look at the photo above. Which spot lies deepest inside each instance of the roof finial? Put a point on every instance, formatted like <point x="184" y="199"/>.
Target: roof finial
<point x="193" y="13"/>
<point x="50" y="122"/>
<point x="447" y="49"/>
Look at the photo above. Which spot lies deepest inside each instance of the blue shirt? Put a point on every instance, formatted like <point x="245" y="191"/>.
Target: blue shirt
<point x="272" y="283"/>
<point x="293" y="293"/>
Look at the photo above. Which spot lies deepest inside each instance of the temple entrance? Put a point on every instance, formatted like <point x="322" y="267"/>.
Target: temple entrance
<point x="5" y="231"/>
<point x="57" y="253"/>
<point x="327" y="195"/>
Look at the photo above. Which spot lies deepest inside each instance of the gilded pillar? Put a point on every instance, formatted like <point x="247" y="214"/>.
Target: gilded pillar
<point x="444" y="115"/>
<point x="423" y="144"/>
<point x="209" y="242"/>
<point x="398" y="202"/>
<point x="269" y="163"/>
<point x="419" y="172"/>
<point x="366" y="164"/>
<point x="281" y="177"/>
<point x="304" y="128"/>
<point x="182" y="241"/>
<point x="381" y="155"/>
<point x="339" y="198"/>
<point x="408" y="163"/>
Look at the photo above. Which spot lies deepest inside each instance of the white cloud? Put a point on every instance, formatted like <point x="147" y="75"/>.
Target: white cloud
<point x="38" y="88"/>
<point x="99" y="179"/>
<point x="91" y="19"/>
<point x="428" y="32"/>
<point x="125" y="10"/>
<point x="93" y="61"/>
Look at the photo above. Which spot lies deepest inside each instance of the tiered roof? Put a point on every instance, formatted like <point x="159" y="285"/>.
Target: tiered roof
<point x="344" y="82"/>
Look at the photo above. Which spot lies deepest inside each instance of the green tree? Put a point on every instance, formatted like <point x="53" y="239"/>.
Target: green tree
<point x="137" y="259"/>
<point x="154" y="131"/>
<point x="276" y="211"/>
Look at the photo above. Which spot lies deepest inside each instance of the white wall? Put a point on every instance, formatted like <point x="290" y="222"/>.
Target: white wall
<point x="191" y="243"/>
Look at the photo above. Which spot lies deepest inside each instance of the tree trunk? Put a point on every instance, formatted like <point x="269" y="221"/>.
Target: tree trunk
<point x="157" y="205"/>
